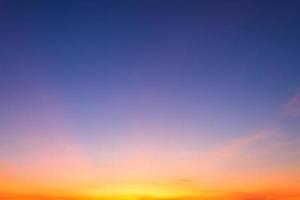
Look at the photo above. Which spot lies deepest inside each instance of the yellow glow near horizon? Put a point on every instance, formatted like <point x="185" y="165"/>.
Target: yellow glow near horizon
<point x="137" y="190"/>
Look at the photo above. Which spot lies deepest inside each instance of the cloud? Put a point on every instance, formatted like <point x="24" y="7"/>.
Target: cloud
<point x="292" y="107"/>
<point x="235" y="147"/>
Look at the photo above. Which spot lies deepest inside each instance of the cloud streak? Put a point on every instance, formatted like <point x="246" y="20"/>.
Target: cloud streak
<point x="292" y="107"/>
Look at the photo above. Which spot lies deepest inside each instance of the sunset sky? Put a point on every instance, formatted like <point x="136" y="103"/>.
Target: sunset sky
<point x="150" y="100"/>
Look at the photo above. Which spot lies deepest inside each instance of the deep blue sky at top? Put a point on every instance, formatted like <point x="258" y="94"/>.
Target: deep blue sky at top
<point x="217" y="64"/>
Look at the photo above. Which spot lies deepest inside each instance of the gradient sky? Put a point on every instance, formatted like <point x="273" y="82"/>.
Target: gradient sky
<point x="150" y="99"/>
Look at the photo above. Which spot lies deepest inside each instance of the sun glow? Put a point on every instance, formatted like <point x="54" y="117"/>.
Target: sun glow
<point x="133" y="191"/>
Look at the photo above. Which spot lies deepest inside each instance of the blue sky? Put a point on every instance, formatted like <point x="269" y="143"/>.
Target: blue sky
<point x="114" y="74"/>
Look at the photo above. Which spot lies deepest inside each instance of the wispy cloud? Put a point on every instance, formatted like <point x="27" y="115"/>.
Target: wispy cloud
<point x="292" y="107"/>
<point x="271" y="137"/>
<point x="234" y="147"/>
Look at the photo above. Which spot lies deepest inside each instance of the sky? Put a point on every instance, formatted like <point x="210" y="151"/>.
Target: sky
<point x="167" y="100"/>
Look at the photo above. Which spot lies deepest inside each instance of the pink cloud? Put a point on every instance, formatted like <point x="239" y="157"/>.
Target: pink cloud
<point x="235" y="147"/>
<point x="292" y="108"/>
